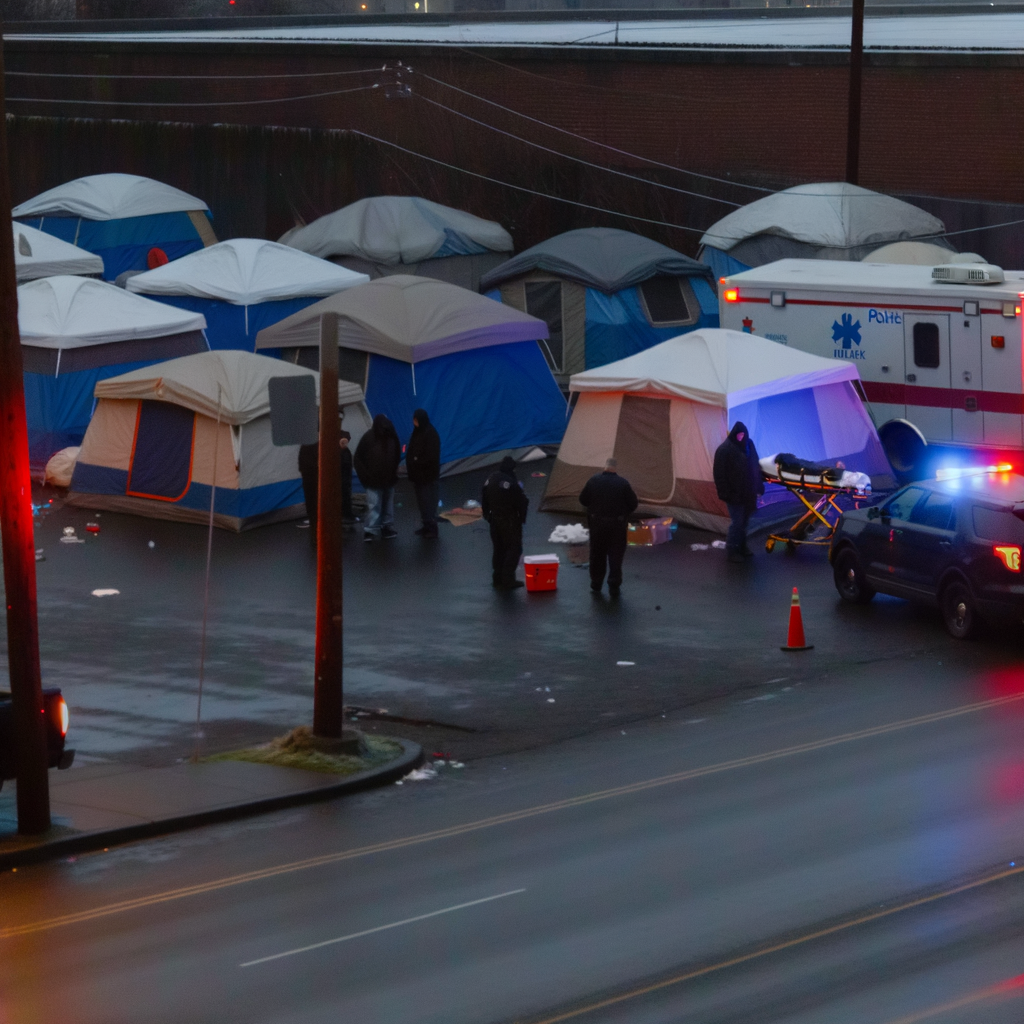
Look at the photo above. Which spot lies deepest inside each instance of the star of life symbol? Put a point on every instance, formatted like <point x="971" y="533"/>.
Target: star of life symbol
<point x="846" y="331"/>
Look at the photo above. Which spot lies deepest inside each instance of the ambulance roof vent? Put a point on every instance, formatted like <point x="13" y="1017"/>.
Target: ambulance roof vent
<point x="968" y="273"/>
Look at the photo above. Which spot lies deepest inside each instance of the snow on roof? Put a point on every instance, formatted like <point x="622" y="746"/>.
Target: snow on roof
<point x="75" y="312"/>
<point x="245" y="271"/>
<point x="716" y="367"/>
<point x="37" y="254"/>
<point x="398" y="229"/>
<point x="408" y="318"/>
<point x="109" y="197"/>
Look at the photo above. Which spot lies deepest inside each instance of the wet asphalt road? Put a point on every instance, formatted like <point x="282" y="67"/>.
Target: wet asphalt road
<point x="427" y="638"/>
<point x="520" y="888"/>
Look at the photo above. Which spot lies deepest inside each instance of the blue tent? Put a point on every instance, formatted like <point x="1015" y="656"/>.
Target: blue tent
<point x="605" y="294"/>
<point x="121" y="218"/>
<point x="244" y="285"/>
<point x="77" y="331"/>
<point x="413" y="342"/>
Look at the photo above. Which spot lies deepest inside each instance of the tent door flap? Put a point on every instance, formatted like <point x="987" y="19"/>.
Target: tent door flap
<point x="161" y="464"/>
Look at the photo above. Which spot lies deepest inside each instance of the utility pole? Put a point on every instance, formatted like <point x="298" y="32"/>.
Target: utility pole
<point x="853" y="104"/>
<point x="327" y="692"/>
<point x="18" y="539"/>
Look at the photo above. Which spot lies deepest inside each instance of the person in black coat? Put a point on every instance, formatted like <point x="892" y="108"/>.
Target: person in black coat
<point x="504" y="508"/>
<point x="609" y="501"/>
<point x="423" y="464"/>
<point x="377" y="457"/>
<point x="309" y="470"/>
<point x="739" y="482"/>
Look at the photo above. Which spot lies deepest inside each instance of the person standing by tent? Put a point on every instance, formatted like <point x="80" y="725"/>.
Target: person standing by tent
<point x="376" y="461"/>
<point x="739" y="483"/>
<point x="609" y="500"/>
<point x="423" y="464"/>
<point x="309" y="470"/>
<point x="504" y="508"/>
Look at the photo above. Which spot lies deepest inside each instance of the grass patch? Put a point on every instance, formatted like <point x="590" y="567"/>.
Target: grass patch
<point x="298" y="750"/>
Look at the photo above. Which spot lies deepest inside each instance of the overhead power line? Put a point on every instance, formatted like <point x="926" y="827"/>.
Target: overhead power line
<point x="190" y="78"/>
<point x="173" y="103"/>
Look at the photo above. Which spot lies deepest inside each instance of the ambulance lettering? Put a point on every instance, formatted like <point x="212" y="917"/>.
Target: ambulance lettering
<point x="847" y="331"/>
<point x="884" y="316"/>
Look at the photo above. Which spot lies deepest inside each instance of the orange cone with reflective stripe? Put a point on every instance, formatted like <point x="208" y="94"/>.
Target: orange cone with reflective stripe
<point x="796" y="640"/>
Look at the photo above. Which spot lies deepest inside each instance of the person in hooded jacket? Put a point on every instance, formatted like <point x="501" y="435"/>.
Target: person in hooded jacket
<point x="739" y="483"/>
<point x="423" y="465"/>
<point x="376" y="461"/>
<point x="504" y="507"/>
<point x="609" y="500"/>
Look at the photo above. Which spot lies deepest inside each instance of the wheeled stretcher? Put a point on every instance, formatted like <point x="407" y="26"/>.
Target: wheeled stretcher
<point x="818" y="489"/>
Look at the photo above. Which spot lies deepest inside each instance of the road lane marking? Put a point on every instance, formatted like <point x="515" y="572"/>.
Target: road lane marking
<point x="1002" y="988"/>
<point x="569" y="803"/>
<point x="380" y="928"/>
<point x="779" y="947"/>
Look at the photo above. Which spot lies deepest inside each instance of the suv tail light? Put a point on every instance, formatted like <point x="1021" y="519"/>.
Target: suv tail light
<point x="1009" y="555"/>
<point x="62" y="707"/>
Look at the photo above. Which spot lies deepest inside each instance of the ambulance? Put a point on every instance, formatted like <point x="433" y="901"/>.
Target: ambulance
<point x="940" y="347"/>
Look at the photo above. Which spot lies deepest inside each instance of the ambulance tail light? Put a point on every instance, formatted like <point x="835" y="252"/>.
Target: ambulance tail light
<point x="732" y="295"/>
<point x="1009" y="555"/>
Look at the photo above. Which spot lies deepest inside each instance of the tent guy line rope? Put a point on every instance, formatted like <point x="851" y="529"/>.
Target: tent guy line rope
<point x="569" y="803"/>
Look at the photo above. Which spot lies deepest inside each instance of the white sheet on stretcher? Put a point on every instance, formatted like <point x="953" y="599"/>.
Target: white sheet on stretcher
<point x="849" y="481"/>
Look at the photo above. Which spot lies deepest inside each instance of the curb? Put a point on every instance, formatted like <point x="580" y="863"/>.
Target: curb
<point x="88" y="842"/>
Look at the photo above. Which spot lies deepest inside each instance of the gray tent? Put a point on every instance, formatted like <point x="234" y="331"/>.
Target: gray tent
<point x="605" y="294"/>
<point x="824" y="221"/>
<point x="406" y="235"/>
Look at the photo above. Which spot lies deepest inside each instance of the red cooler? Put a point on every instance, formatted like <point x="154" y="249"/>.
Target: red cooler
<point x="541" y="572"/>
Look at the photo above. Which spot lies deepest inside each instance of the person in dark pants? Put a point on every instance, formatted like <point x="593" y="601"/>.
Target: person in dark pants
<point x="739" y="482"/>
<point x="309" y="470"/>
<point x="423" y="465"/>
<point x="376" y="461"/>
<point x="504" y="508"/>
<point x="609" y="501"/>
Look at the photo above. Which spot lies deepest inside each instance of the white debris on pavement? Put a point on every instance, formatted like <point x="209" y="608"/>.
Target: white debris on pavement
<point x="625" y="663"/>
<point x="699" y="547"/>
<point x="40" y="555"/>
<point x="551" y="700"/>
<point x="70" y="537"/>
<point x="105" y="592"/>
<point x="152" y="543"/>
<point x="719" y="544"/>
<point x="420" y="774"/>
<point x="569" y="533"/>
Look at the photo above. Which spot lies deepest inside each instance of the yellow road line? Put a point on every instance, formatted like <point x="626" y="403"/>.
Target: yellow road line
<point x="779" y="947"/>
<point x="501" y="819"/>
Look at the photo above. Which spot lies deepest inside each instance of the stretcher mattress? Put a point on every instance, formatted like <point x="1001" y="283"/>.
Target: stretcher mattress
<point x="786" y="468"/>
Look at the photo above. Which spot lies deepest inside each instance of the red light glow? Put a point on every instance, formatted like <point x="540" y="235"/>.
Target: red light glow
<point x="64" y="717"/>
<point x="732" y="295"/>
<point x="1009" y="555"/>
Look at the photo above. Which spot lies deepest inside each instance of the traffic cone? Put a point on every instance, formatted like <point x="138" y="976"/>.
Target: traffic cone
<point x="796" y="640"/>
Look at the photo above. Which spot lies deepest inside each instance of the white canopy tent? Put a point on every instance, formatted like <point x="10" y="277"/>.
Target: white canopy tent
<point x="109" y="197"/>
<point x="663" y="412"/>
<point x="37" y="254"/>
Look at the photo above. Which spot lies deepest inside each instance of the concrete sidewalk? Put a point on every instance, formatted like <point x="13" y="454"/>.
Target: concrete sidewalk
<point x="103" y="805"/>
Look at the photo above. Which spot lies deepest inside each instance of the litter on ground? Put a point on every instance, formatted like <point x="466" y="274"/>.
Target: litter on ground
<point x="551" y="700"/>
<point x="70" y="537"/>
<point x="152" y="543"/>
<point x="105" y="592"/>
<point x="625" y="663"/>
<point x="419" y="775"/>
<point x="699" y="547"/>
<point x="40" y="555"/>
<point x="719" y="544"/>
<point x="569" y="533"/>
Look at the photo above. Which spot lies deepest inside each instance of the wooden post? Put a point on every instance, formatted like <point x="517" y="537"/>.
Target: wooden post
<point x="18" y="539"/>
<point x="327" y="693"/>
<point x="853" y="104"/>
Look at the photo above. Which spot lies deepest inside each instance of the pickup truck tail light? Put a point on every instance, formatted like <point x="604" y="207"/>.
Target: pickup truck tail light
<point x="62" y="712"/>
<point x="1009" y="555"/>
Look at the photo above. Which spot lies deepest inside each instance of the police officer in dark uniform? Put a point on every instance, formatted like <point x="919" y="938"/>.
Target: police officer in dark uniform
<point x="504" y="508"/>
<point x="609" y="500"/>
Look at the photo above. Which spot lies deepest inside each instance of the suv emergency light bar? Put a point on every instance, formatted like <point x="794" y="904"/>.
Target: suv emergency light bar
<point x="968" y="273"/>
<point x="955" y="473"/>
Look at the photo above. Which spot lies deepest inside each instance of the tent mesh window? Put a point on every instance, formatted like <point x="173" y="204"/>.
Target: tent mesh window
<point x="669" y="301"/>
<point x="353" y="365"/>
<point x="926" y="345"/>
<point x="544" y="301"/>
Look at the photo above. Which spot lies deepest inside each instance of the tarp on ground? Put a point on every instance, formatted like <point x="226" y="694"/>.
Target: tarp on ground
<point x="662" y="413"/>
<point x="472" y="363"/>
<point x="244" y="285"/>
<point x="155" y="446"/>
<point x="822" y="220"/>
<point x="76" y="331"/>
<point x="37" y="254"/>
<point x="121" y="217"/>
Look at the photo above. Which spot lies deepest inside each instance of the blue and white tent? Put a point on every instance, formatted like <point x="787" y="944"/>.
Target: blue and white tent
<point x="121" y="217"/>
<point x="472" y="363"/>
<point x="37" y="254"/>
<point x="244" y="285"/>
<point x="163" y="437"/>
<point x="386" y="235"/>
<point x="76" y="331"/>
<point x="605" y="294"/>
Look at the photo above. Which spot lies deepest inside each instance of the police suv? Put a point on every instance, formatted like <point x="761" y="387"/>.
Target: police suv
<point x="955" y="542"/>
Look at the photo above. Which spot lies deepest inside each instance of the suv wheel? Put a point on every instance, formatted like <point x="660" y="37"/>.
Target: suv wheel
<point x="849" y="577"/>
<point x="959" y="611"/>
